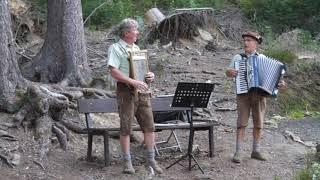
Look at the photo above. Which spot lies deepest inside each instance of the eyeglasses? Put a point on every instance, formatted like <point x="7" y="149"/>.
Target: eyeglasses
<point x="248" y="40"/>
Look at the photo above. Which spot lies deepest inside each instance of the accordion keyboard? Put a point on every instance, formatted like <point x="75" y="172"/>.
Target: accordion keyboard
<point x="241" y="78"/>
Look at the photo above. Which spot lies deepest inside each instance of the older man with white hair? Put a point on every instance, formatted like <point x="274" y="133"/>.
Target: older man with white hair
<point x="129" y="104"/>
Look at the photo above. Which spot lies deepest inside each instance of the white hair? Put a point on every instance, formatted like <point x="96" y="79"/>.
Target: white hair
<point x="126" y="25"/>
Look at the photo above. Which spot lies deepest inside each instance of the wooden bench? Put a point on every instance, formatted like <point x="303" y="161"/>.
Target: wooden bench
<point x="109" y="105"/>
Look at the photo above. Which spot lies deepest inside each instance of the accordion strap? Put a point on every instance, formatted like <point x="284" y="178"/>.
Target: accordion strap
<point x="243" y="55"/>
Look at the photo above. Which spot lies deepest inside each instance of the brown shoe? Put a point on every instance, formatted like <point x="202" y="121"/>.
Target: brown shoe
<point x="155" y="167"/>
<point x="236" y="158"/>
<point x="128" y="168"/>
<point x="258" y="156"/>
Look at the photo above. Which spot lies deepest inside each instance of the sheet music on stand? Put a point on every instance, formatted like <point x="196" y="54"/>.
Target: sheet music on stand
<point x="194" y="95"/>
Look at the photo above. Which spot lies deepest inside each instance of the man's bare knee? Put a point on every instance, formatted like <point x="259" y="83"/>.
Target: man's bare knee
<point x="241" y="127"/>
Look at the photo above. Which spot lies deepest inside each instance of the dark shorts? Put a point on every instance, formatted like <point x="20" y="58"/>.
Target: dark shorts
<point x="130" y="106"/>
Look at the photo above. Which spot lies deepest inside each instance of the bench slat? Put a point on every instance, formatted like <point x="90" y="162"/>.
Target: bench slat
<point x="97" y="105"/>
<point x="109" y="105"/>
<point x="160" y="126"/>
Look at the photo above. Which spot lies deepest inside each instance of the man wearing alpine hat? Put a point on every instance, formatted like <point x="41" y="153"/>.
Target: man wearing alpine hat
<point x="254" y="101"/>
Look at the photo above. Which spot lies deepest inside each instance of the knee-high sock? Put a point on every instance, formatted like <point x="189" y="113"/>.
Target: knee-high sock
<point x="240" y="136"/>
<point x="126" y="157"/>
<point x="256" y="146"/>
<point x="238" y="145"/>
<point x="150" y="155"/>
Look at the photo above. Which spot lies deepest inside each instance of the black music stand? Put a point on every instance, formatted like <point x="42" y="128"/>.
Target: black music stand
<point x="193" y="95"/>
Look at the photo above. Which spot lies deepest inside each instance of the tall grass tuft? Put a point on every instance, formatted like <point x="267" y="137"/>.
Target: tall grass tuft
<point x="285" y="56"/>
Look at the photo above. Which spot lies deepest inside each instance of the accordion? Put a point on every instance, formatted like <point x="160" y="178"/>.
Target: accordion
<point x="259" y="72"/>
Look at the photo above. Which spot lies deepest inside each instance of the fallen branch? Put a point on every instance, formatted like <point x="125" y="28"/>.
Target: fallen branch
<point x="6" y="160"/>
<point x="94" y="12"/>
<point x="9" y="138"/>
<point x="208" y="72"/>
<point x="225" y="109"/>
<point x="8" y="125"/>
<point x="24" y="55"/>
<point x="38" y="163"/>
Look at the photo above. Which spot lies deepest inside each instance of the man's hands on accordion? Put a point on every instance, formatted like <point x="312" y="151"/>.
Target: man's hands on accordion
<point x="231" y="72"/>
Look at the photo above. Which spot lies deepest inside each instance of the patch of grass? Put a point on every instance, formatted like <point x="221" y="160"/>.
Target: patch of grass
<point x="315" y="168"/>
<point x="289" y="102"/>
<point x="277" y="178"/>
<point x="311" y="170"/>
<point x="301" y="99"/>
<point x="39" y="5"/>
<point x="303" y="175"/>
<point x="285" y="56"/>
<point x="296" y="105"/>
<point x="308" y="42"/>
<point x="296" y="114"/>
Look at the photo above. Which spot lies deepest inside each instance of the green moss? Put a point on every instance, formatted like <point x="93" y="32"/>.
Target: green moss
<point x="20" y="92"/>
<point x="22" y="98"/>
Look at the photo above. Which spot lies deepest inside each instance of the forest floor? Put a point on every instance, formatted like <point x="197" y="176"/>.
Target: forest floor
<point x="285" y="157"/>
<point x="189" y="62"/>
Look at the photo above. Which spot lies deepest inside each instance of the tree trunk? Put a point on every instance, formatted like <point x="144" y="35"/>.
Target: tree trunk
<point x="10" y="75"/>
<point x="63" y="57"/>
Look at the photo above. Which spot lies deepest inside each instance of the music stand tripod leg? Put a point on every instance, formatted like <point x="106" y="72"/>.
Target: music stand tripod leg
<point x="195" y="164"/>
<point x="191" y="95"/>
<point x="177" y="161"/>
<point x="190" y="147"/>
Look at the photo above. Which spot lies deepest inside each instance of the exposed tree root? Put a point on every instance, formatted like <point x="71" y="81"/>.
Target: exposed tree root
<point x="62" y="137"/>
<point x="44" y="107"/>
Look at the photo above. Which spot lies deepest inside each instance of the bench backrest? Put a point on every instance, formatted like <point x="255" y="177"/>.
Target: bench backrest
<point x="109" y="105"/>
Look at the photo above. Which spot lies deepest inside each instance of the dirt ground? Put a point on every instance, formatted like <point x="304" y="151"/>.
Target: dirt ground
<point x="188" y="62"/>
<point x="285" y="157"/>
